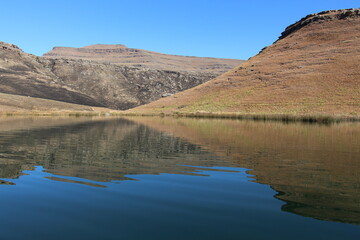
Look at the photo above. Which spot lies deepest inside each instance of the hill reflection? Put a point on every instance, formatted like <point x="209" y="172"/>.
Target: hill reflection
<point x="315" y="169"/>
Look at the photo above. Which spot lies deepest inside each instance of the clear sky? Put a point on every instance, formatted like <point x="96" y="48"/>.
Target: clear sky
<point x="213" y="28"/>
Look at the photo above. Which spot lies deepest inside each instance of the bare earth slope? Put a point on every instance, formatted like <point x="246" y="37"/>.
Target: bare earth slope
<point x="122" y="55"/>
<point x="23" y="74"/>
<point x="314" y="68"/>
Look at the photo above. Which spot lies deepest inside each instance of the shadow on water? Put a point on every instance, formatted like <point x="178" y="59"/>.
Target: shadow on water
<point x="314" y="169"/>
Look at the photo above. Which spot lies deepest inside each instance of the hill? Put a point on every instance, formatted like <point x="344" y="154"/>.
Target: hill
<point x="313" y="68"/>
<point x="23" y="74"/>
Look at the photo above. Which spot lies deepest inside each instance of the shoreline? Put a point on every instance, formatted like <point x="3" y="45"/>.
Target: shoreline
<point x="60" y="113"/>
<point x="306" y="118"/>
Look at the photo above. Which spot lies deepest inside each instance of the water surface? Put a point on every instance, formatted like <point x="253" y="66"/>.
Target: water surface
<point x="162" y="178"/>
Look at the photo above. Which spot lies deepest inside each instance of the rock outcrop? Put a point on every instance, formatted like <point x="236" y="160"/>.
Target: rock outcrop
<point x="321" y="18"/>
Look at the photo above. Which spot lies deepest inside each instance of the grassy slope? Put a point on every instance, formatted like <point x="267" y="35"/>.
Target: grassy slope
<point x="313" y="71"/>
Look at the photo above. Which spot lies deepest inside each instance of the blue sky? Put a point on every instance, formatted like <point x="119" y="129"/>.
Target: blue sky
<point x="213" y="28"/>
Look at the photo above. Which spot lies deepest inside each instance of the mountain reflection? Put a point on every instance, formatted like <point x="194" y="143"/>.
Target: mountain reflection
<point x="314" y="169"/>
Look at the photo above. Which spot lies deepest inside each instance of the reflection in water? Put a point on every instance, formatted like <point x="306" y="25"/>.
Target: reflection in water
<point x="100" y="151"/>
<point x="314" y="169"/>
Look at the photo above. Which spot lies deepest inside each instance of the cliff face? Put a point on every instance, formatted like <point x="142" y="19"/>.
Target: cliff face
<point x="312" y="69"/>
<point x="113" y="76"/>
<point x="122" y="55"/>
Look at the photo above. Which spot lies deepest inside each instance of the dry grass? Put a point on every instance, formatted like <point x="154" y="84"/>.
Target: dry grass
<point x="15" y="105"/>
<point x="313" y="72"/>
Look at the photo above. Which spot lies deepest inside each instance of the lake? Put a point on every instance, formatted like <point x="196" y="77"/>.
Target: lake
<point x="167" y="178"/>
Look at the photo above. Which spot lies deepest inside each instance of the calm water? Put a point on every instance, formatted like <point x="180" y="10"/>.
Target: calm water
<point x="159" y="178"/>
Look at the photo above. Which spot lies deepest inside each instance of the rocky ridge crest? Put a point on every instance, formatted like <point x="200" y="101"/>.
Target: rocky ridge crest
<point x="320" y="18"/>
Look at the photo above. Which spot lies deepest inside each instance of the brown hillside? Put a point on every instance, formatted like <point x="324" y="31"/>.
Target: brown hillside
<point x="15" y="103"/>
<point x="314" y="68"/>
<point x="23" y="74"/>
<point x="122" y="55"/>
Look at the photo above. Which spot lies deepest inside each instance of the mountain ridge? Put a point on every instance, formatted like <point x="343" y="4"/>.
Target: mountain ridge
<point x="122" y="55"/>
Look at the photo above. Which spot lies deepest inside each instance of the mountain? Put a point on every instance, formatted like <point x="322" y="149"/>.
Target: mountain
<point x="122" y="55"/>
<point x="121" y="78"/>
<point x="103" y="75"/>
<point x="313" y="68"/>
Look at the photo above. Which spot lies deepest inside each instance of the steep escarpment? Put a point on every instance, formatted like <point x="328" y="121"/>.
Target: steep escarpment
<point x="122" y="55"/>
<point x="23" y="74"/>
<point x="312" y="69"/>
